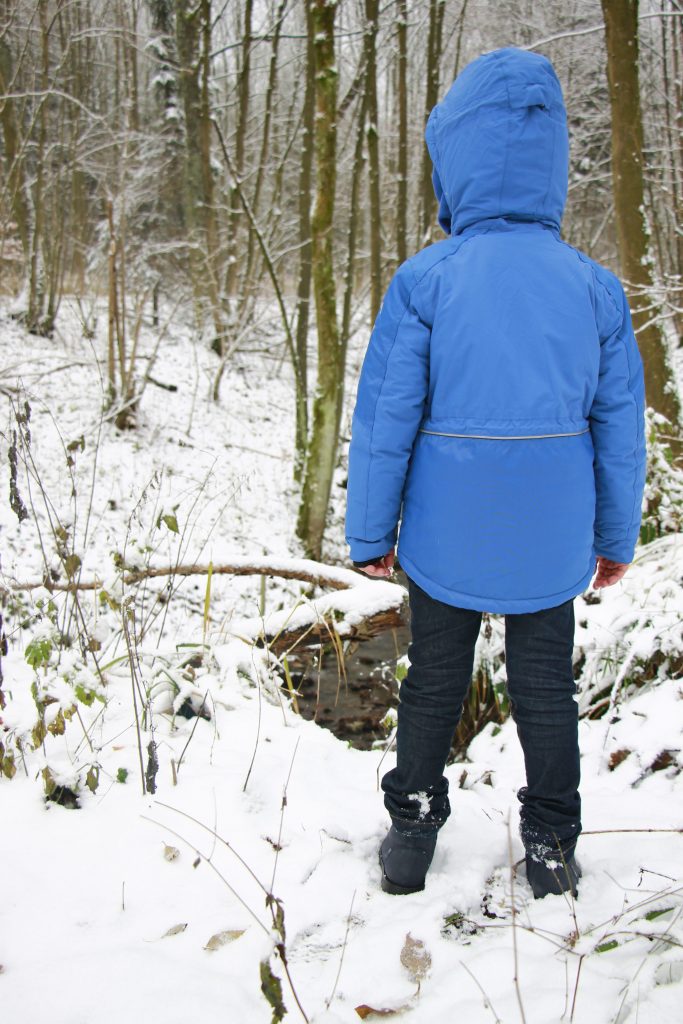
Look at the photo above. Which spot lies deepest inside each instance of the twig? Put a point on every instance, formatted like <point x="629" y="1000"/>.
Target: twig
<point x="316" y="575"/>
<point x="576" y="987"/>
<point x="135" y="701"/>
<point x="388" y="747"/>
<point x="328" y="1002"/>
<point x="211" y="865"/>
<point x="514" y="927"/>
<point x="612" y="831"/>
<point x="282" y="813"/>
<point x="180" y="759"/>
<point x="487" y="1002"/>
<point x="258" y="725"/>
<point x="216" y="837"/>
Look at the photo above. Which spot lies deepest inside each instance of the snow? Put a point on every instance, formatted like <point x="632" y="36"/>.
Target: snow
<point x="255" y="800"/>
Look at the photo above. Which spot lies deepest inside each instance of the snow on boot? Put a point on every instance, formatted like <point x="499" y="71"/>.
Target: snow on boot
<point x="552" y="877"/>
<point x="404" y="860"/>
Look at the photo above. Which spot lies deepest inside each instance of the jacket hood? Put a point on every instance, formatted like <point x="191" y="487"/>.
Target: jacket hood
<point x="499" y="143"/>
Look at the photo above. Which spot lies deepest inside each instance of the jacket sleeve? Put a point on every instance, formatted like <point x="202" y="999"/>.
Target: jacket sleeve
<point x="618" y="430"/>
<point x="389" y="408"/>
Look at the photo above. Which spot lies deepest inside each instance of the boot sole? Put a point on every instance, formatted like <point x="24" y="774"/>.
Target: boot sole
<point x="393" y="888"/>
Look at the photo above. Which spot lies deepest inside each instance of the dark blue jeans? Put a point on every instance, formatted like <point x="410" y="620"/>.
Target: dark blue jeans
<point x="541" y="688"/>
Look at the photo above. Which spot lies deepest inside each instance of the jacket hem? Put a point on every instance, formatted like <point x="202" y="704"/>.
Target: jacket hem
<point x="497" y="606"/>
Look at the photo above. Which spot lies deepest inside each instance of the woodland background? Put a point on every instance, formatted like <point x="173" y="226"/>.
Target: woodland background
<point x="262" y="164"/>
<point x="201" y="204"/>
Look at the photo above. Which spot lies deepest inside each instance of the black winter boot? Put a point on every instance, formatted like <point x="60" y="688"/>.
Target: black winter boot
<point x="405" y="860"/>
<point x="552" y="877"/>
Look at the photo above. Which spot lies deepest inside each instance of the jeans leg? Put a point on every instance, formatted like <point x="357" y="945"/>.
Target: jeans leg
<point x="538" y="654"/>
<point x="431" y="698"/>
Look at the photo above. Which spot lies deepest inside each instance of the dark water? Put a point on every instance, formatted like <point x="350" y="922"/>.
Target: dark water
<point x="352" y="707"/>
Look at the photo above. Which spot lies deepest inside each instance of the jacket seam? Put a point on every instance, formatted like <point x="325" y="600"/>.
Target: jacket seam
<point x="374" y="411"/>
<point x="416" y="281"/>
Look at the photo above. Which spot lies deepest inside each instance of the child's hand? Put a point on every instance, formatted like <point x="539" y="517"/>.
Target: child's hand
<point x="609" y="572"/>
<point x="383" y="566"/>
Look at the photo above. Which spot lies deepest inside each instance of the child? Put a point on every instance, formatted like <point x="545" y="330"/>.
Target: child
<point x="500" y="417"/>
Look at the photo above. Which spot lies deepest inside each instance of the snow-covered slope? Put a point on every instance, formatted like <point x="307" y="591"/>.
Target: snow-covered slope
<point x="160" y="907"/>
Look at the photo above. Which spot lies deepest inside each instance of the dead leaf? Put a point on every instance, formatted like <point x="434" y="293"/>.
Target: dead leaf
<point x="415" y="958"/>
<point x="616" y="757"/>
<point x="175" y="930"/>
<point x="364" y="1011"/>
<point x="223" y="938"/>
<point x="171" y="852"/>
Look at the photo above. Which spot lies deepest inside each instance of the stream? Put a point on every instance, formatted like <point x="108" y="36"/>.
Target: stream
<point x="352" y="707"/>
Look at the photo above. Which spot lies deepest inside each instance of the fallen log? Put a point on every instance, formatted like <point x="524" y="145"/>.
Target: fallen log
<point x="358" y="607"/>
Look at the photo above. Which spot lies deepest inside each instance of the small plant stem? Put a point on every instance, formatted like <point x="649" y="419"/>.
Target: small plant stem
<point x="216" y="837"/>
<point x="135" y="701"/>
<point x="207" y="602"/>
<point x="208" y="860"/>
<point x="85" y="731"/>
<point x="290" y="685"/>
<point x="613" y="831"/>
<point x="283" y="804"/>
<point x="258" y="734"/>
<point x="487" y="1002"/>
<point x="576" y="987"/>
<point x="514" y="928"/>
<point x="328" y="1002"/>
<point x="176" y="770"/>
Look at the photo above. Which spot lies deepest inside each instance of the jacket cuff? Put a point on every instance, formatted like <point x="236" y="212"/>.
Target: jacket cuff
<point x="369" y="550"/>
<point x="615" y="552"/>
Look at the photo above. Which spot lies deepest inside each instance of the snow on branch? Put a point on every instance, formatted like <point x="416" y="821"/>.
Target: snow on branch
<point x="354" y="606"/>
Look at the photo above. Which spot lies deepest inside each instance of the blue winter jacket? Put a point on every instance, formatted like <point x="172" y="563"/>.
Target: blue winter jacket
<point x="500" y="405"/>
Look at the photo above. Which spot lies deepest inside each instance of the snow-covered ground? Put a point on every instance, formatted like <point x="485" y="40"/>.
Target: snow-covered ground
<point x="161" y="907"/>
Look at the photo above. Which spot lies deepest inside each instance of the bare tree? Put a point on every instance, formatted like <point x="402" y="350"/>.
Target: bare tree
<point x="621" y="29"/>
<point x="322" y="448"/>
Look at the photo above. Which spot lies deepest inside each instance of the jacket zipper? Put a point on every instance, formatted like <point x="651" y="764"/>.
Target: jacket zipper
<point x="504" y="437"/>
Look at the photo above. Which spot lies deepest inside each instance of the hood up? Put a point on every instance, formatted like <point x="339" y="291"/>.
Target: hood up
<point x="499" y="143"/>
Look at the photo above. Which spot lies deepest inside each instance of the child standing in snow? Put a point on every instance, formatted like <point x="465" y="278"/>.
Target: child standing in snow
<point x="500" y="417"/>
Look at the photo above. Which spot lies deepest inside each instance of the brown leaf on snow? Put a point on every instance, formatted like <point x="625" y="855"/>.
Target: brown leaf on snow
<point x="171" y="852"/>
<point x="223" y="938"/>
<point x="416" y="958"/>
<point x="616" y="757"/>
<point x="175" y="930"/>
<point x="364" y="1011"/>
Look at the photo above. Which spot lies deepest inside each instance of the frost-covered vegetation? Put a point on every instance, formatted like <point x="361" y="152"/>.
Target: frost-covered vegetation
<point x="171" y="817"/>
<point x="201" y="204"/>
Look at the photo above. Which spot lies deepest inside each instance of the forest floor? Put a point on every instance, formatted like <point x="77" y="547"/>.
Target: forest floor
<point x="161" y="907"/>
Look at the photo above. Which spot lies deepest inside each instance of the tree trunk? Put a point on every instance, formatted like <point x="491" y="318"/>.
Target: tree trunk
<point x="673" y="101"/>
<point x="434" y="44"/>
<point x="15" y="174"/>
<point x="265" y="137"/>
<point x="322" y="450"/>
<point x="193" y="37"/>
<point x="303" y="298"/>
<point x="352" y="231"/>
<point x="169" y="197"/>
<point x="621" y="30"/>
<point x="371" y="19"/>
<point x="402" y="198"/>
<point x="240" y="147"/>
